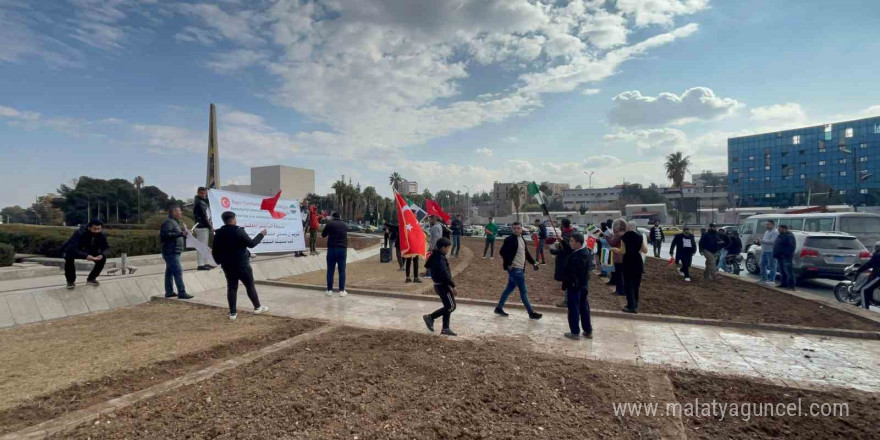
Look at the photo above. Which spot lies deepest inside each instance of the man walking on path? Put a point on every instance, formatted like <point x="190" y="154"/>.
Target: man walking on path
<point x="313" y="223"/>
<point x="230" y="251"/>
<point x="684" y="247"/>
<point x="444" y="287"/>
<point x="783" y="252"/>
<point x="491" y="230"/>
<point x="768" y="263"/>
<point x="515" y="254"/>
<point x="202" y="216"/>
<point x="87" y="243"/>
<point x="710" y="244"/>
<point x="542" y="237"/>
<point x="457" y="232"/>
<point x="337" y="251"/>
<point x="173" y="237"/>
<point x="575" y="284"/>
<point x="656" y="237"/>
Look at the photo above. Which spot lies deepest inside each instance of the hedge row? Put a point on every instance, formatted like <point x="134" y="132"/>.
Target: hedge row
<point x="7" y="255"/>
<point x="49" y="241"/>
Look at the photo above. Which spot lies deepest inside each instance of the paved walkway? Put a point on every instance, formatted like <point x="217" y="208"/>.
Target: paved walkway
<point x="783" y="358"/>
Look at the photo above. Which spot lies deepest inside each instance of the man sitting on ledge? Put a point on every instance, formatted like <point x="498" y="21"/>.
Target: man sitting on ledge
<point x="87" y="243"/>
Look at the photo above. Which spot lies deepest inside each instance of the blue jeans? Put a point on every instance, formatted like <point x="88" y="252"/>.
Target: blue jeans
<point x="456" y="244"/>
<point x="787" y="272"/>
<point x="336" y="258"/>
<point x="722" y="259"/>
<point x="516" y="278"/>
<point x="539" y="254"/>
<point x="173" y="271"/>
<point x="768" y="266"/>
<point x="579" y="311"/>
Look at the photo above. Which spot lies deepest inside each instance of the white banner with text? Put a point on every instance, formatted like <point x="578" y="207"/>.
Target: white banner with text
<point x="281" y="218"/>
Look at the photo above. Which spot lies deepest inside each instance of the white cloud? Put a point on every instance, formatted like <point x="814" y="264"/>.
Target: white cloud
<point x="602" y="160"/>
<point x="590" y="92"/>
<point x="485" y="152"/>
<point x="780" y="114"/>
<point x="230" y="62"/>
<point x="698" y="103"/>
<point x="9" y="112"/>
<point x="651" y="142"/>
<point x="871" y="111"/>
<point x="21" y="41"/>
<point x="646" y="12"/>
<point x="510" y="140"/>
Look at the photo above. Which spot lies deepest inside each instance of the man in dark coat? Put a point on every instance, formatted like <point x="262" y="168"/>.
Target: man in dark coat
<point x="656" y="238"/>
<point x="202" y="216"/>
<point x="561" y="250"/>
<point x="87" y="243"/>
<point x="173" y="237"/>
<point x="684" y="246"/>
<point x="783" y="252"/>
<point x="336" y="233"/>
<point x="710" y="245"/>
<point x="515" y="254"/>
<point x="231" y="244"/>
<point x="576" y="285"/>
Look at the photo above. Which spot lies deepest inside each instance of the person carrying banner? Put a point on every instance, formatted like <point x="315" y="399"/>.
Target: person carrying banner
<point x="231" y="244"/>
<point x="202" y="216"/>
<point x="337" y="252"/>
<point x="413" y="243"/>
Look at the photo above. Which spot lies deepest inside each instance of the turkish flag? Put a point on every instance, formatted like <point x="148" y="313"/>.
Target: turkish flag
<point x="434" y="209"/>
<point x="412" y="240"/>
<point x="591" y="243"/>
<point x="269" y="205"/>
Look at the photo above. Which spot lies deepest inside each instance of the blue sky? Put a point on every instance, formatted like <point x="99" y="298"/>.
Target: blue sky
<point x="447" y="92"/>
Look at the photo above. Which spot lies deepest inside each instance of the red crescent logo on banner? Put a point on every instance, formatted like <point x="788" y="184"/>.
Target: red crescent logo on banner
<point x="225" y="202"/>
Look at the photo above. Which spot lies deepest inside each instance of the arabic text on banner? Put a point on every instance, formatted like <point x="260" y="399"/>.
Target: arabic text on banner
<point x="284" y="234"/>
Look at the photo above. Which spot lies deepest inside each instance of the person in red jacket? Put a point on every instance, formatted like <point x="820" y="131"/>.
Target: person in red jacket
<point x="313" y="222"/>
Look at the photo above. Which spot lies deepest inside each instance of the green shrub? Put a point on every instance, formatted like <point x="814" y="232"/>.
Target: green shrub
<point x="7" y="255"/>
<point x="49" y="241"/>
<point x="155" y="222"/>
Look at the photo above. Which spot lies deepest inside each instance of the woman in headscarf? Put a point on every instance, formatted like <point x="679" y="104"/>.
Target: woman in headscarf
<point x="632" y="246"/>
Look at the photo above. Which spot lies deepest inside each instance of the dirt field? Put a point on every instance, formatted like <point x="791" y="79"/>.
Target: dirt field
<point x="364" y="384"/>
<point x="50" y="368"/>
<point x="371" y="274"/>
<point x="664" y="292"/>
<point x="354" y="241"/>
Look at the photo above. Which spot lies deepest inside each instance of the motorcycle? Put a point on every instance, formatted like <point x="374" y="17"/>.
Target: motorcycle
<point x="734" y="263"/>
<point x="849" y="290"/>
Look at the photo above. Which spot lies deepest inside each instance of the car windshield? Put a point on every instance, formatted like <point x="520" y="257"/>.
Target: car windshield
<point x="847" y="243"/>
<point x="860" y="225"/>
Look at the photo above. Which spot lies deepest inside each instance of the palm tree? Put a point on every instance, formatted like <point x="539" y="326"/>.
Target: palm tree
<point x="138" y="183"/>
<point x="339" y="187"/>
<point x="513" y="193"/>
<point x="676" y="166"/>
<point x="394" y="179"/>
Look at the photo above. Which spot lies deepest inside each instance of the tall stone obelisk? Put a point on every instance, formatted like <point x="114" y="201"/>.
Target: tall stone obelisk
<point x="213" y="175"/>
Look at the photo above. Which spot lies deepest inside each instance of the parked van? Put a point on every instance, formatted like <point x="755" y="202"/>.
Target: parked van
<point x="862" y="225"/>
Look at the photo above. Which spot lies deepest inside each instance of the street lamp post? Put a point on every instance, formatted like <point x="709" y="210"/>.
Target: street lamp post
<point x="590" y="173"/>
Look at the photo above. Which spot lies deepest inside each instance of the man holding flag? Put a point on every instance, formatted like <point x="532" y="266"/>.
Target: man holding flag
<point x="413" y="243"/>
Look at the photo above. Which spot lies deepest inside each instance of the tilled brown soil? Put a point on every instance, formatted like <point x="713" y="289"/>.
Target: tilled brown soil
<point x="364" y="384"/>
<point x="859" y="422"/>
<point x="264" y="330"/>
<point x="663" y="291"/>
<point x="354" y="241"/>
<point x="360" y="384"/>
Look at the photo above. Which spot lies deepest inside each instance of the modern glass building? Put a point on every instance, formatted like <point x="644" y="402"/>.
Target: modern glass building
<point x="825" y="164"/>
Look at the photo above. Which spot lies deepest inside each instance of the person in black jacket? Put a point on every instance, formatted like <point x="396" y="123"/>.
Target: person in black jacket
<point x="173" y="237"/>
<point x="457" y="232"/>
<point x="734" y="247"/>
<point x="874" y="280"/>
<point x="202" y="216"/>
<point x="576" y="285"/>
<point x="444" y="287"/>
<point x="231" y="245"/>
<point x="337" y="251"/>
<point x="710" y="245"/>
<point x="684" y="246"/>
<point x="542" y="237"/>
<point x="783" y="252"/>
<point x="87" y="243"/>
<point x="515" y="254"/>
<point x="394" y="240"/>
<point x="656" y="238"/>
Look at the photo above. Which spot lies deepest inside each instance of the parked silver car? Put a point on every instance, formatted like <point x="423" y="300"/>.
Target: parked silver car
<point x="817" y="254"/>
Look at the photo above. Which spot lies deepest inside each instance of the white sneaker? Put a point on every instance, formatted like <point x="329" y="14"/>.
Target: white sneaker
<point x="261" y="309"/>
<point x="232" y="316"/>
<point x="687" y="279"/>
<point x="342" y="293"/>
<point x="329" y="293"/>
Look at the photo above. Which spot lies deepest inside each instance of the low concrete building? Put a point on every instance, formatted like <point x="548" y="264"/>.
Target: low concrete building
<point x="644" y="214"/>
<point x="590" y="197"/>
<point x="294" y="183"/>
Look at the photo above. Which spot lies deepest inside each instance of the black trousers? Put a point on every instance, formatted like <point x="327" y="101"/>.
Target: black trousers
<point x="414" y="263"/>
<point x="246" y="276"/>
<point x="686" y="267"/>
<point x="631" y="286"/>
<point x="396" y="244"/>
<point x="620" y="281"/>
<point x="657" y="245"/>
<point x="445" y="294"/>
<point x="70" y="269"/>
<point x="490" y="245"/>
<point x="386" y="241"/>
